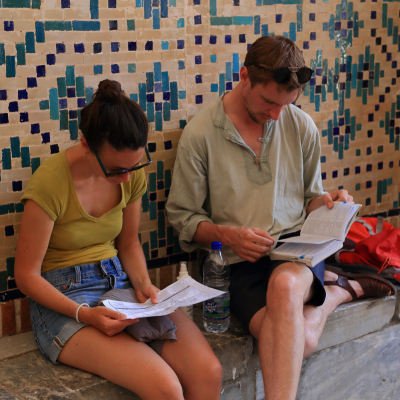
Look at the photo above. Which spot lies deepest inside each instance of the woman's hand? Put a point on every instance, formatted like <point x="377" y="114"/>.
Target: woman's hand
<point x="108" y="321"/>
<point x="146" y="290"/>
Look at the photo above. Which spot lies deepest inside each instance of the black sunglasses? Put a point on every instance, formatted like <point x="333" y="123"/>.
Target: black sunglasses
<point x="123" y="171"/>
<point x="282" y="75"/>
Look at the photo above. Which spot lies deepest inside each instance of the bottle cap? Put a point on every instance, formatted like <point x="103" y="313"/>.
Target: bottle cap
<point x="216" y="246"/>
<point x="183" y="269"/>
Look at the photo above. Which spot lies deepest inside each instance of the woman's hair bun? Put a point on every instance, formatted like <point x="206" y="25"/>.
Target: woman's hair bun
<point x="109" y="91"/>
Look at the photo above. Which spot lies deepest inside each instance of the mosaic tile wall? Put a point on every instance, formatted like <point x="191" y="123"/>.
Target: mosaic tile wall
<point x="174" y="57"/>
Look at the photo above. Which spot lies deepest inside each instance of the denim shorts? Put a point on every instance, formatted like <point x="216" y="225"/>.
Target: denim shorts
<point x="81" y="283"/>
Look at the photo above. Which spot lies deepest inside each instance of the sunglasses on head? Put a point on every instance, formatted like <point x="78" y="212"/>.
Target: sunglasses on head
<point x="123" y="171"/>
<point x="282" y="75"/>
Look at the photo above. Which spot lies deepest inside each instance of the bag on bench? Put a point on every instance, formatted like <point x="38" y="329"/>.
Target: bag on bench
<point x="371" y="245"/>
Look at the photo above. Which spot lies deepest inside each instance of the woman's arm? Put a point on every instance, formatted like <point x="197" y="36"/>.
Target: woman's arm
<point x="131" y="255"/>
<point x="33" y="240"/>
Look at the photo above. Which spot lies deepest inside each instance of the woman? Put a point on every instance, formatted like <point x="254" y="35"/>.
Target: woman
<point x="82" y="208"/>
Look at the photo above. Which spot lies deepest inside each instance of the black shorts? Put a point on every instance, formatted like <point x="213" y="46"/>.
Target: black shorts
<point x="249" y="284"/>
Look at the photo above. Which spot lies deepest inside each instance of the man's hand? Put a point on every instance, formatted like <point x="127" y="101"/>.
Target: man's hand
<point x="328" y="199"/>
<point x="338" y="195"/>
<point x="248" y="243"/>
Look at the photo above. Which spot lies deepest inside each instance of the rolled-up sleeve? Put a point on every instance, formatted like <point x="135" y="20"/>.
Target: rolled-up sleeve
<point x="187" y="201"/>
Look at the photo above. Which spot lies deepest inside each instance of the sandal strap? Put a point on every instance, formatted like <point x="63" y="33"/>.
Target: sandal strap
<point x="343" y="282"/>
<point x="373" y="287"/>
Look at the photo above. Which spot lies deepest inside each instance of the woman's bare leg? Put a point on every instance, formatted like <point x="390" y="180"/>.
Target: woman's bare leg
<point x="193" y="360"/>
<point x="124" y="361"/>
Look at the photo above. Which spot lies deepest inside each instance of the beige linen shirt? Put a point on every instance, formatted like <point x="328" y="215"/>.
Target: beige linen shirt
<point x="217" y="179"/>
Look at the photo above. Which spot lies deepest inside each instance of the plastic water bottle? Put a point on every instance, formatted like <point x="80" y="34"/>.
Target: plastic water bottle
<point x="216" y="311"/>
<point x="188" y="310"/>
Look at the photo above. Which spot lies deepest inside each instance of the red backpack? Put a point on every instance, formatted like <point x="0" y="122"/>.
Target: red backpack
<point x="372" y="242"/>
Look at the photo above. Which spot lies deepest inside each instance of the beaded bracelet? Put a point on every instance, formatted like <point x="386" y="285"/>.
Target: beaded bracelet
<point x="77" y="311"/>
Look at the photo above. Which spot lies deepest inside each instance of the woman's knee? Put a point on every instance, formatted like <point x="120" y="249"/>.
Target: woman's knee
<point x="209" y="373"/>
<point x="169" y="389"/>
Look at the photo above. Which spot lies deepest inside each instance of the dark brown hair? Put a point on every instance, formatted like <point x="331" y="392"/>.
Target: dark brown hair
<point x="113" y="117"/>
<point x="274" y="52"/>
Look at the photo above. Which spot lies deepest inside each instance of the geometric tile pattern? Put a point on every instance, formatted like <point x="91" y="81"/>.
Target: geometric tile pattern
<point x="176" y="56"/>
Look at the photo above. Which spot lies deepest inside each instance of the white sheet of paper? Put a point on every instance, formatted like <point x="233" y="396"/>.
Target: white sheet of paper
<point x="184" y="292"/>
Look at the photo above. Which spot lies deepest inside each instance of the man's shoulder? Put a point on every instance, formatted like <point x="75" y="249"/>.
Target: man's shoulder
<point x="300" y="118"/>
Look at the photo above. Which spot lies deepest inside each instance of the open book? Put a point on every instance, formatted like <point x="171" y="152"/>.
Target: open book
<point x="323" y="233"/>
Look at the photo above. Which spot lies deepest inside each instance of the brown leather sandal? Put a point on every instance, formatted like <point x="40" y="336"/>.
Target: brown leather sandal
<point x="372" y="286"/>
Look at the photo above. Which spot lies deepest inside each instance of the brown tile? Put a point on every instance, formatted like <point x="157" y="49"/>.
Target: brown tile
<point x="165" y="276"/>
<point x="8" y="319"/>
<point x="25" y="315"/>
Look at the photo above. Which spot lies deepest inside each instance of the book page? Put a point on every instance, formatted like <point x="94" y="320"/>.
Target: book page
<point x="325" y="224"/>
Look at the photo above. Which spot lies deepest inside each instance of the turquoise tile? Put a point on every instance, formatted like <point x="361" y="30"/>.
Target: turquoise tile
<point x="39" y="29"/>
<point x="391" y="135"/>
<point x="15" y="147"/>
<point x="264" y="30"/>
<point x="62" y="87"/>
<point x="165" y="81"/>
<point x="330" y="80"/>
<point x="372" y="62"/>
<point x="64" y="120"/>
<point x="367" y="54"/>
<point x="292" y="31"/>
<point x="317" y="103"/>
<point x="153" y="240"/>
<point x="340" y="150"/>
<point x="349" y="63"/>
<point x="384" y="15"/>
<point x="346" y="142"/>
<point x="358" y="186"/>
<point x="344" y="6"/>
<point x="10" y="67"/>
<point x="180" y="23"/>
<point x="25" y="157"/>
<point x="242" y="20"/>
<point x="131" y="67"/>
<point x="70" y="75"/>
<point x="213" y="7"/>
<point x="338" y="12"/>
<point x="44" y="105"/>
<point x="335" y="144"/>
<point x="292" y="1"/>
<point x="348" y="90"/>
<point x="335" y="119"/>
<point x="85" y="26"/>
<point x="6" y="158"/>
<point x="54" y="110"/>
<point x="157" y="72"/>
<point x="213" y="58"/>
<point x="35" y="164"/>
<point x="2" y="54"/>
<point x="398" y="102"/>
<point x="221" y="84"/>
<point x="161" y="224"/>
<point x="353" y="128"/>
<point x="350" y="11"/>
<point x="158" y="121"/>
<point x="130" y="24"/>
<point x="325" y="67"/>
<point x="347" y="116"/>
<point x="393" y="112"/>
<point x="152" y="182"/>
<point x="73" y="129"/>
<point x="324" y="95"/>
<point x="36" y="4"/>
<point x="172" y="3"/>
<point x="150" y="112"/>
<point x="160" y="170"/>
<point x="364" y="97"/>
<point x="257" y="25"/>
<point x="228" y="71"/>
<point x="153" y="211"/>
<point x="149" y="82"/>
<point x="58" y="25"/>
<point x="167" y="111"/>
<point x="390" y="26"/>
<point x="174" y="95"/>
<point x="142" y="96"/>
<point x="331" y="27"/>
<point x="354" y="76"/>
<point x="221" y="21"/>
<point x="94" y="9"/>
<point x="299" y="18"/>
<point x="377" y="74"/>
<point x="355" y="23"/>
<point x="20" y="47"/>
<point x="80" y="86"/>
<point x="19" y="207"/>
<point x="89" y="94"/>
<point x="359" y="88"/>
<point x="156" y="18"/>
<point x="235" y="63"/>
<point x="30" y="42"/>
<point x="16" y="4"/>
<point x="370" y="88"/>
<point x="319" y="58"/>
<point x="177" y="247"/>
<point x="336" y="91"/>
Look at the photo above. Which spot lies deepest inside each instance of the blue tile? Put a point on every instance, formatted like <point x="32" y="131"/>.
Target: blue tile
<point x="8" y="26"/>
<point x="13" y="106"/>
<point x="50" y="59"/>
<point x="174" y="95"/>
<point x="147" y="9"/>
<point x="164" y="8"/>
<point x="156" y="18"/>
<point x="22" y="94"/>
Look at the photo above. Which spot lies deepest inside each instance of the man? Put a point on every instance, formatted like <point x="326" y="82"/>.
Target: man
<point x="247" y="172"/>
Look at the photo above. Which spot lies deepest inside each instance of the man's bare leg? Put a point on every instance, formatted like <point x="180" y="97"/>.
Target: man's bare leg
<point x="280" y="329"/>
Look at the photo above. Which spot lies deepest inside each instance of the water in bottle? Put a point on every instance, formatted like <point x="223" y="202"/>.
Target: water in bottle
<point x="216" y="311"/>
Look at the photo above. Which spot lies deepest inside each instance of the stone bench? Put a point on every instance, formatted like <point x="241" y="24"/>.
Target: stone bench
<point x="357" y="359"/>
